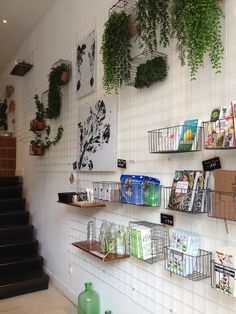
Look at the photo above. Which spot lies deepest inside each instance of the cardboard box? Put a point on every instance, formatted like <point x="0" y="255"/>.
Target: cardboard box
<point x="223" y="199"/>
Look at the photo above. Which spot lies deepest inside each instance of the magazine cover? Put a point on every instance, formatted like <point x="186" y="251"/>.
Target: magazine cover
<point x="190" y="135"/>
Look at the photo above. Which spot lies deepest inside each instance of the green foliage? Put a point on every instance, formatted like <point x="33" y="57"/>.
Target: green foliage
<point x="150" y="72"/>
<point x="3" y="115"/>
<point x="197" y="27"/>
<point x="116" y="51"/>
<point x="41" y="112"/>
<point x="151" y="17"/>
<point x="54" y="93"/>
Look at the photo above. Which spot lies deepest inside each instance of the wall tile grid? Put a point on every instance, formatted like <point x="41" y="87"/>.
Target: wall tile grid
<point x="164" y="104"/>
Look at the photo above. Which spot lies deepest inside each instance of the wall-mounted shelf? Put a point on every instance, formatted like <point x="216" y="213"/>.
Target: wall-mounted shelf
<point x="84" y="204"/>
<point x="21" y="68"/>
<point x="93" y="249"/>
<point x="175" y="139"/>
<point x="188" y="201"/>
<point x="195" y="268"/>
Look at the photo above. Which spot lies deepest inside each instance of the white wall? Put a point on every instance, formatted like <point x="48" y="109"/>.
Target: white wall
<point x="129" y="285"/>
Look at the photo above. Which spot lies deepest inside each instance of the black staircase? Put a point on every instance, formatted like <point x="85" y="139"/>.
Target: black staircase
<point x="20" y="265"/>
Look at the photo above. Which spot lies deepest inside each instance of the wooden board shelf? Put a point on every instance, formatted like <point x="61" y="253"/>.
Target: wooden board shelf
<point x="93" y="249"/>
<point x="84" y="204"/>
<point x="21" y="68"/>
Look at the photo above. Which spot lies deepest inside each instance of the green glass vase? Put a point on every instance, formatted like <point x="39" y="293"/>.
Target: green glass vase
<point x="88" y="301"/>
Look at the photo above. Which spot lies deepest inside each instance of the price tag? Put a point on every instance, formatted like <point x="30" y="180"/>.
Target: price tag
<point x="211" y="164"/>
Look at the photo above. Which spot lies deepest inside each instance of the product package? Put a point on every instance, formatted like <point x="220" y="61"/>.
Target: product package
<point x="224" y="267"/>
<point x="140" y="190"/>
<point x="140" y="238"/>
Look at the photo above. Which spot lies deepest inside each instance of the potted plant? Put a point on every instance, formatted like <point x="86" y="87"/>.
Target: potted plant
<point x="58" y="76"/>
<point x="197" y="27"/>
<point x="42" y="141"/>
<point x="151" y="19"/>
<point x="39" y="122"/>
<point x="116" y="51"/>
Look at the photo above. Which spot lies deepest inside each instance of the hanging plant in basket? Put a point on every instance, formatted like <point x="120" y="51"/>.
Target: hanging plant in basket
<point x="197" y="27"/>
<point x="116" y="51"/>
<point x="57" y="77"/>
<point x="152" y="71"/>
<point x="151" y="19"/>
<point x="39" y="122"/>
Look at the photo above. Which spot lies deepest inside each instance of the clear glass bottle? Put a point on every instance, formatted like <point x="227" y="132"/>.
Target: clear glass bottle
<point x="121" y="241"/>
<point x="102" y="238"/>
<point x="88" y="301"/>
<point x="112" y="239"/>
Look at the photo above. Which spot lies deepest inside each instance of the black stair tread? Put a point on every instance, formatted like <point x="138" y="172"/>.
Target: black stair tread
<point x="23" y="283"/>
<point x="12" y="204"/>
<point x="13" y="218"/>
<point x="19" y="248"/>
<point x="14" y="234"/>
<point x="10" y="181"/>
<point x="16" y="227"/>
<point x="9" y="279"/>
<point x="7" y="192"/>
<point x="19" y="259"/>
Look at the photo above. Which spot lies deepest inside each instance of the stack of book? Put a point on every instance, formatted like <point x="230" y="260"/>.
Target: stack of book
<point x="221" y="130"/>
<point x="189" y="191"/>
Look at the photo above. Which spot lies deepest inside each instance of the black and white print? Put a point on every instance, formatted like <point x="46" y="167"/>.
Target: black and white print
<point x="97" y="135"/>
<point x="85" y="66"/>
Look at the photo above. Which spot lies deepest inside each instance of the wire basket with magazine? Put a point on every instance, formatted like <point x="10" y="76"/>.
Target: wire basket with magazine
<point x="147" y="241"/>
<point x="182" y="138"/>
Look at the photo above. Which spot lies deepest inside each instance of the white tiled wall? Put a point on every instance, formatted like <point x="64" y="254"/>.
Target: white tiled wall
<point x="128" y="285"/>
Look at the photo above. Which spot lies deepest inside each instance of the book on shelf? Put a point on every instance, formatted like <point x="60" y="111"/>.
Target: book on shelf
<point x="190" y="133"/>
<point x="188" y="191"/>
<point x="168" y="138"/>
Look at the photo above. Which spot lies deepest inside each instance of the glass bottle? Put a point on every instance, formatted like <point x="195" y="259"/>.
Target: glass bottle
<point x="112" y="239"/>
<point x="88" y="301"/>
<point x="102" y="238"/>
<point x="108" y="312"/>
<point x="121" y="241"/>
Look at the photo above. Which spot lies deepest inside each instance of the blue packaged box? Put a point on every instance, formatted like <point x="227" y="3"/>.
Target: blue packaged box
<point x="140" y="190"/>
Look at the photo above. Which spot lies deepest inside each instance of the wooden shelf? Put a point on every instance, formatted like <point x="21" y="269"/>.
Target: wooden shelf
<point x="84" y="204"/>
<point x="93" y="249"/>
<point x="21" y="69"/>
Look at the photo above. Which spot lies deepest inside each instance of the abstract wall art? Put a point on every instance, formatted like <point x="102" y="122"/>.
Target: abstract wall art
<point x="97" y="135"/>
<point x="85" y="65"/>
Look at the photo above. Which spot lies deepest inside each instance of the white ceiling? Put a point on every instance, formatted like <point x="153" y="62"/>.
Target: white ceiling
<point x="21" y="16"/>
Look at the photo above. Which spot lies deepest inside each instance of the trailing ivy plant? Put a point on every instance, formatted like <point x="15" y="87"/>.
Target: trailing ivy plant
<point x="197" y="27"/>
<point x="150" y="72"/>
<point x="54" y="92"/>
<point x="116" y="51"/>
<point x="151" y="18"/>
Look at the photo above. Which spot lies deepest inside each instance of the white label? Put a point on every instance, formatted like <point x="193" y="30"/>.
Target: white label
<point x="182" y="187"/>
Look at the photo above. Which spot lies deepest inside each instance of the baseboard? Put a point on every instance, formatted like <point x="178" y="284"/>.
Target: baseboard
<point x="57" y="283"/>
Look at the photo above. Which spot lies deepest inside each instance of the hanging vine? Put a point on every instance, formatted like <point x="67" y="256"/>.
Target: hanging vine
<point x="197" y="27"/>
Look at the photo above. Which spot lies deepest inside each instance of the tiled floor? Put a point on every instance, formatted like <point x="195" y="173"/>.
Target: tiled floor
<point x="50" y="301"/>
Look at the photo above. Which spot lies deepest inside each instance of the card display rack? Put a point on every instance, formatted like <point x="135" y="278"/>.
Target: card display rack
<point x="175" y="139"/>
<point x="219" y="134"/>
<point x="194" y="268"/>
<point x="188" y="201"/>
<point x="223" y="278"/>
<point x="157" y="238"/>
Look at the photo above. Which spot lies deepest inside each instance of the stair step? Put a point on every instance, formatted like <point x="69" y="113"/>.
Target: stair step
<point x="11" y="286"/>
<point x="16" y="234"/>
<point x="10" y="181"/>
<point x="13" y="218"/>
<point x="10" y="192"/>
<point x="20" y="264"/>
<point x="20" y="248"/>
<point x="12" y="204"/>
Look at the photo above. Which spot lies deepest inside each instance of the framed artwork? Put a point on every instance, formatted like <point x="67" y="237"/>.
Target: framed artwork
<point x="97" y="135"/>
<point x="85" y="66"/>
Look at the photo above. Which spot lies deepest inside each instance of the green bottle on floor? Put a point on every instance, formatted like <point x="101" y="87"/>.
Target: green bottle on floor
<point x="88" y="301"/>
<point x="107" y="312"/>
